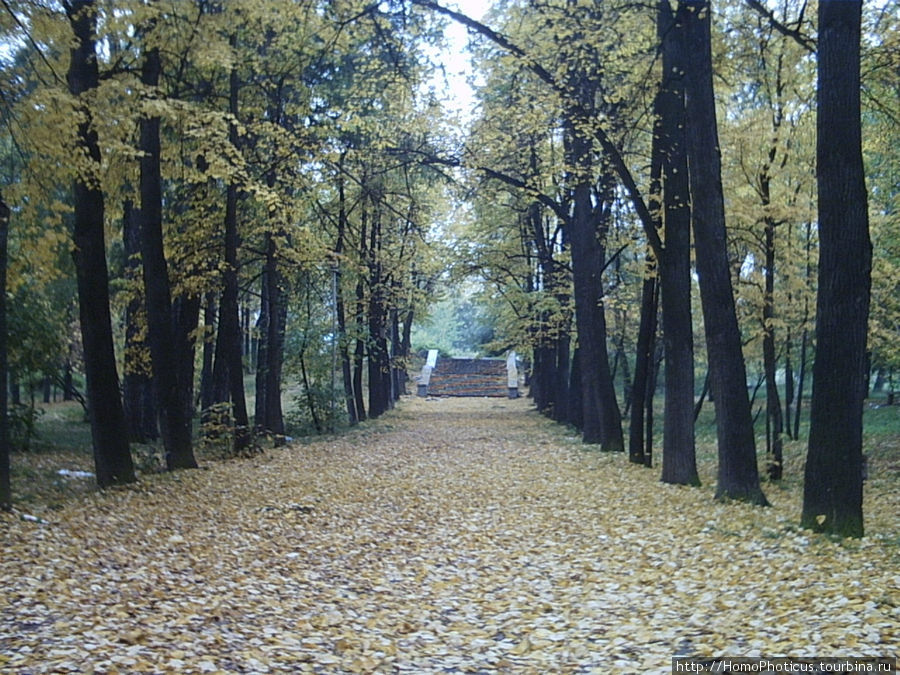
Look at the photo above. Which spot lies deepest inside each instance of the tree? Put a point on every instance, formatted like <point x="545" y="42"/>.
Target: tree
<point x="833" y="480"/>
<point x="679" y="455"/>
<point x="738" y="474"/>
<point x="229" y="371"/>
<point x="138" y="397"/>
<point x="5" y="485"/>
<point x="175" y="420"/>
<point x="112" y="456"/>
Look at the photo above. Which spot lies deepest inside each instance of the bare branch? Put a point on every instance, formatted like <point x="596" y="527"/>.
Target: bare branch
<point x="808" y="43"/>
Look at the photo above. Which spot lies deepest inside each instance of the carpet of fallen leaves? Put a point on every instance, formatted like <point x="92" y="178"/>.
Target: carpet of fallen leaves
<point x="452" y="536"/>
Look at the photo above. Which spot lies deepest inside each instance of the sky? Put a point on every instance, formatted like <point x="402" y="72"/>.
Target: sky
<point x="457" y="60"/>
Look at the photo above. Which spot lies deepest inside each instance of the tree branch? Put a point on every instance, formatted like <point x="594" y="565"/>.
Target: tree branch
<point x="804" y="41"/>
<point x="609" y="147"/>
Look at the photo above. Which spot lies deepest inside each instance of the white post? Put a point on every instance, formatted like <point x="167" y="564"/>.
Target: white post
<point x="425" y="377"/>
<point x="512" y="375"/>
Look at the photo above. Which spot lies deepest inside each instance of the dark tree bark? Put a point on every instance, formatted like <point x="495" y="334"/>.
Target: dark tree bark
<point x="562" y="366"/>
<point x="552" y="355"/>
<point x="247" y="353"/>
<point x="576" y="409"/>
<point x="5" y="471"/>
<point x="620" y="360"/>
<point x="641" y="393"/>
<point x="175" y="425"/>
<point x="275" y="329"/>
<point x="679" y="454"/>
<point x="379" y="362"/>
<point x="109" y="432"/>
<point x="396" y="357"/>
<point x="804" y="337"/>
<point x="15" y="389"/>
<point x="801" y="381"/>
<point x="788" y="383"/>
<point x="68" y="386"/>
<point x="262" y="349"/>
<point x="359" y="351"/>
<point x="269" y="415"/>
<point x="406" y="348"/>
<point x="186" y="312"/>
<point x="833" y="487"/>
<point x="774" y="420"/>
<point x="340" y="304"/>
<point x="651" y="391"/>
<point x="738" y="476"/>
<point x="228" y="370"/>
<point x="601" y="418"/>
<point x="207" y="387"/>
<point x="137" y="384"/>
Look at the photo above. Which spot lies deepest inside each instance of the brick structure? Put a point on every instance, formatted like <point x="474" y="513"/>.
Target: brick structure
<point x="467" y="377"/>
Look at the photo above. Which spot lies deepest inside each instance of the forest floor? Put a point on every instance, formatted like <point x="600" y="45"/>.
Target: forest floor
<point x="450" y="536"/>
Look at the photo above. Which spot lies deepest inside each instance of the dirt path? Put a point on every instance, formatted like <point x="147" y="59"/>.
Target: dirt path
<point x="451" y="536"/>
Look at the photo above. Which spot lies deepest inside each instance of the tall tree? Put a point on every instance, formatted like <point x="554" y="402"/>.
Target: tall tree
<point x="112" y="456"/>
<point x="138" y="397"/>
<point x="679" y="455"/>
<point x="738" y="474"/>
<point x="833" y="487"/>
<point x="175" y="421"/>
<point x="229" y="373"/>
<point x="5" y="483"/>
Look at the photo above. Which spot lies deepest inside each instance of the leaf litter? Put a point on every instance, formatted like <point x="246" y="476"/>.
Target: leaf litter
<point x="452" y="536"/>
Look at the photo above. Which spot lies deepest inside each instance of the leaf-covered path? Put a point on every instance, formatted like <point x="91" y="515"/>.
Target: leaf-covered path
<point x="450" y="536"/>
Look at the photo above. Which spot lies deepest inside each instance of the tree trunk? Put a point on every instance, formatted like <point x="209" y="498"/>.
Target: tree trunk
<point x="207" y="387"/>
<point x="801" y="381"/>
<point x="396" y="358"/>
<point x="406" y="347"/>
<point x="186" y="311"/>
<point x="738" y="476"/>
<point x="601" y="418"/>
<point x="642" y="396"/>
<point x="270" y="345"/>
<point x="262" y="348"/>
<point x="575" y="407"/>
<point x="378" y="357"/>
<point x="277" y="322"/>
<point x="15" y="389"/>
<point x="774" y="420"/>
<point x="679" y="454"/>
<point x="228" y="368"/>
<point x="109" y="432"/>
<point x="562" y="359"/>
<point x="346" y="363"/>
<point x="247" y="353"/>
<point x="788" y="383"/>
<point x="175" y="426"/>
<point x="137" y="385"/>
<point x="833" y="487"/>
<point x="359" y="352"/>
<point x="643" y="364"/>
<point x="68" y="385"/>
<point x="340" y="305"/>
<point x="5" y="470"/>
<point x="651" y="392"/>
